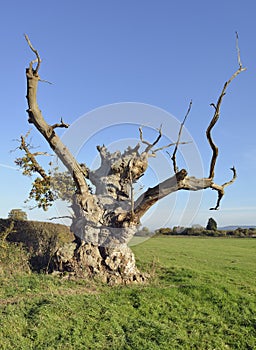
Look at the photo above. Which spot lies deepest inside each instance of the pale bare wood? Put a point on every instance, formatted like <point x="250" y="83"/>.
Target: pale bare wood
<point x="220" y="188"/>
<point x="153" y="195"/>
<point x="238" y="51"/>
<point x="169" y="145"/>
<point x="217" y="112"/>
<point x="37" y="60"/>
<point x="150" y="145"/>
<point x="175" y="168"/>
<point x="214" y="120"/>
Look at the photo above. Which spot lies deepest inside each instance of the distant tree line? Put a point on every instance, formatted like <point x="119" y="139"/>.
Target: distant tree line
<point x="196" y="231"/>
<point x="210" y="230"/>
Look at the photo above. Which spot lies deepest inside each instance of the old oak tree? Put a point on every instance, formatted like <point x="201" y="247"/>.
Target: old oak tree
<point x="104" y="220"/>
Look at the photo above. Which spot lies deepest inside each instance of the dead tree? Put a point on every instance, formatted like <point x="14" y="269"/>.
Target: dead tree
<point x="103" y="222"/>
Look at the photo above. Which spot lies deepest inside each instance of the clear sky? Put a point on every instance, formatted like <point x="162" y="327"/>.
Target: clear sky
<point x="160" y="53"/>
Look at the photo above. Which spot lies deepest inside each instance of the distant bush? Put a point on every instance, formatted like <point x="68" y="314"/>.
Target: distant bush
<point x="17" y="214"/>
<point x="164" y="231"/>
<point x="143" y="232"/>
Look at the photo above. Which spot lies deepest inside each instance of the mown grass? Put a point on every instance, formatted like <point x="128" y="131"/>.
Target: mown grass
<point x="202" y="296"/>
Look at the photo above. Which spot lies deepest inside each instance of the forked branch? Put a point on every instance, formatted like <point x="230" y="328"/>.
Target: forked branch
<point x="151" y="145"/>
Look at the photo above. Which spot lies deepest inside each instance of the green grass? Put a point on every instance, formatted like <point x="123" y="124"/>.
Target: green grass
<point x="202" y="296"/>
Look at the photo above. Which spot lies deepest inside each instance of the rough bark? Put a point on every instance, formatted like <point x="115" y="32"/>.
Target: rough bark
<point x="105" y="221"/>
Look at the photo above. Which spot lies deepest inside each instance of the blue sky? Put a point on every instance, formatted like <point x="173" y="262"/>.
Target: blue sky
<point x="160" y="53"/>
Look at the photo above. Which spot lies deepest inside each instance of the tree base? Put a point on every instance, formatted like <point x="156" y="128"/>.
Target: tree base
<point x="110" y="265"/>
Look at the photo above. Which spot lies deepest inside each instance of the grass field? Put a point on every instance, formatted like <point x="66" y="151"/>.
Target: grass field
<point x="202" y="296"/>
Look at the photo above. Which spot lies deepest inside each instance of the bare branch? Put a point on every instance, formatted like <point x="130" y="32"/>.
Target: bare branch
<point x="152" y="195"/>
<point x="169" y="145"/>
<point x="238" y="51"/>
<point x="60" y="125"/>
<point x="45" y="81"/>
<point x="175" y="168"/>
<point x="220" y="188"/>
<point x="61" y="217"/>
<point x="150" y="145"/>
<point x="41" y="154"/>
<point x="233" y="169"/>
<point x="38" y="59"/>
<point x="180" y="181"/>
<point x="217" y="114"/>
<point x="220" y="191"/>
